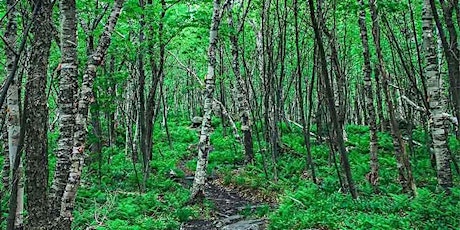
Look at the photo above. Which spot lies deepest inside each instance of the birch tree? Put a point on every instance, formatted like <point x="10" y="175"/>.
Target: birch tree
<point x="81" y="119"/>
<point x="373" y="175"/>
<point x="337" y="128"/>
<point x="204" y="146"/>
<point x="404" y="168"/>
<point x="12" y="109"/>
<point x="66" y="102"/>
<point x="437" y="101"/>
<point x="242" y="92"/>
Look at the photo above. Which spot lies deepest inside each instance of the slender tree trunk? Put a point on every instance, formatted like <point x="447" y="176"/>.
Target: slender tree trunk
<point x="204" y="146"/>
<point x="380" y="100"/>
<point x="305" y="126"/>
<point x="330" y="96"/>
<point x="96" y="147"/>
<point x="451" y="51"/>
<point x="143" y="137"/>
<point x="81" y="121"/>
<point x="438" y="124"/>
<point x="373" y="175"/>
<point x="6" y="165"/>
<point x="404" y="168"/>
<point x="243" y="104"/>
<point x="12" y="112"/>
<point x="68" y="86"/>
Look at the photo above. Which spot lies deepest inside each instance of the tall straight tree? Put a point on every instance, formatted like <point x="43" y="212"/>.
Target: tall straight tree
<point x="451" y="50"/>
<point x="438" y="123"/>
<point x="36" y="118"/>
<point x="204" y="145"/>
<point x="242" y="97"/>
<point x="404" y="168"/>
<point x="337" y="128"/>
<point x="373" y="175"/>
<point x="305" y="126"/>
<point x="81" y="119"/>
<point x="66" y="103"/>
<point x="12" y="110"/>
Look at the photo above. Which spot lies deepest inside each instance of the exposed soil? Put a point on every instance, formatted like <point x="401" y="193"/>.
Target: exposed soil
<point x="227" y="208"/>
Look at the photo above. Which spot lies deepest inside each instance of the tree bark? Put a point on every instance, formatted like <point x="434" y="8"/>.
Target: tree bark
<point x="81" y="120"/>
<point x="36" y="124"/>
<point x="243" y="104"/>
<point x="331" y="103"/>
<point x="204" y="143"/>
<point x="305" y="126"/>
<point x="404" y="168"/>
<point x="12" y="111"/>
<point x="68" y="86"/>
<point x="438" y="124"/>
<point x="373" y="175"/>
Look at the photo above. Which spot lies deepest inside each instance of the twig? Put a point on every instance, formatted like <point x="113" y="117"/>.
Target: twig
<point x="297" y="201"/>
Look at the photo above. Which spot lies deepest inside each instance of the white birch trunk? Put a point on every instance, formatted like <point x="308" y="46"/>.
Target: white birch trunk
<point x="81" y="121"/>
<point x="439" y="124"/>
<point x="204" y="143"/>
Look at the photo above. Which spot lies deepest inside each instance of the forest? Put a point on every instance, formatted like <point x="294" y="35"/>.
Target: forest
<point x="229" y="114"/>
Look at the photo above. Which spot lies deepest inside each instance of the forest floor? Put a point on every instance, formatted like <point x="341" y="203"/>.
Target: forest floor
<point x="231" y="209"/>
<point x="242" y="196"/>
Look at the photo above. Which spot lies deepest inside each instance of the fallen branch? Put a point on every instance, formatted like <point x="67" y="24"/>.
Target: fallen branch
<point x="413" y="141"/>
<point x="301" y="127"/>
<point x="413" y="104"/>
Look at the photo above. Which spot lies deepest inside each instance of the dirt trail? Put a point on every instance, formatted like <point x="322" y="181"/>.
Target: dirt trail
<point x="227" y="210"/>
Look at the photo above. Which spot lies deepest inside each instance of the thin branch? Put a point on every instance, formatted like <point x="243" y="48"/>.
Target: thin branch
<point x="187" y="68"/>
<point x="413" y="104"/>
<point x="22" y="46"/>
<point x="9" y="11"/>
<point x="8" y="45"/>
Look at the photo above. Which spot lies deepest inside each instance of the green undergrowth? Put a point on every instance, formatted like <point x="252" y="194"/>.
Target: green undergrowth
<point x="305" y="205"/>
<point x="109" y="196"/>
<point x="113" y="200"/>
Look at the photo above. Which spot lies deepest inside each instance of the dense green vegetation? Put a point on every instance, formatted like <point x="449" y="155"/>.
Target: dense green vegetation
<point x="113" y="201"/>
<point x="314" y="114"/>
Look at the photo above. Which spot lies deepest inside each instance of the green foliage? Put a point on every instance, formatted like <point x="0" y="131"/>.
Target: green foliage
<point x="114" y="202"/>
<point x="309" y="207"/>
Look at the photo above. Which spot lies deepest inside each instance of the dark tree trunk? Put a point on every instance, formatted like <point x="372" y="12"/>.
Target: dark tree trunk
<point x="331" y="103"/>
<point x="36" y="119"/>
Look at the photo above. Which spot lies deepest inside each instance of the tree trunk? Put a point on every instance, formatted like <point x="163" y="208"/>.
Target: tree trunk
<point x="68" y="87"/>
<point x="81" y="121"/>
<point x="305" y="126"/>
<point x="438" y="123"/>
<point x="12" y="112"/>
<point x="373" y="175"/>
<point x="404" y="168"/>
<point x="204" y="143"/>
<point x="331" y="103"/>
<point x="36" y="124"/>
<point x="243" y="104"/>
<point x="380" y="100"/>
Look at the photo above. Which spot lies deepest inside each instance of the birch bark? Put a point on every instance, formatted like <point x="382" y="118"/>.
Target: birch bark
<point x="204" y="146"/>
<point x="437" y="101"/>
<point x="81" y="119"/>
